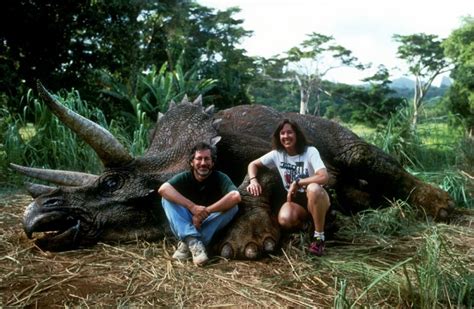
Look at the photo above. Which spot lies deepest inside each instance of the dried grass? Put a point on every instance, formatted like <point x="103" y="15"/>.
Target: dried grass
<point x="143" y="274"/>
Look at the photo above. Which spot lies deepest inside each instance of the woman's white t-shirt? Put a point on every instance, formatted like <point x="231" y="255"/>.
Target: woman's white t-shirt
<point x="293" y="167"/>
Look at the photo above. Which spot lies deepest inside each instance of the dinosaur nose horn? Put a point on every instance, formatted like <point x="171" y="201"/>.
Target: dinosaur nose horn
<point x="58" y="177"/>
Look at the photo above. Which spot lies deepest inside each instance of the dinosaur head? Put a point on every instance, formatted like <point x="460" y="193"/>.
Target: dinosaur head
<point x="121" y="203"/>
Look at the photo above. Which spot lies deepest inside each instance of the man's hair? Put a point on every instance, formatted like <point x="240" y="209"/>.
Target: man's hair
<point x="203" y="146"/>
<point x="301" y="141"/>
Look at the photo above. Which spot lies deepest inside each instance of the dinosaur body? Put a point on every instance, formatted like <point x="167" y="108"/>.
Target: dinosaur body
<point x="122" y="203"/>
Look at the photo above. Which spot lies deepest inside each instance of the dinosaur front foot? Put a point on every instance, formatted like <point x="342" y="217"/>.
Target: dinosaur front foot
<point x="253" y="234"/>
<point x="434" y="201"/>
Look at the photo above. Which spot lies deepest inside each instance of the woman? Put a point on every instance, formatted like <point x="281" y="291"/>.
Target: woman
<point x="303" y="174"/>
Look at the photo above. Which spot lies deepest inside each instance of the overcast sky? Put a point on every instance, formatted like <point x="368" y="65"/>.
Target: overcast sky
<point x="365" y="27"/>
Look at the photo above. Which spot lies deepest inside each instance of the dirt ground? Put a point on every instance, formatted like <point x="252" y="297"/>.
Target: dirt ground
<point x="143" y="274"/>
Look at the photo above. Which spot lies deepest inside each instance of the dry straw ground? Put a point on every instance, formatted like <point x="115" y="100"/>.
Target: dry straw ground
<point x="141" y="274"/>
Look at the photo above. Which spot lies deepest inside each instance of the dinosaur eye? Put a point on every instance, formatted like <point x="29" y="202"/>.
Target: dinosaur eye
<point x="111" y="183"/>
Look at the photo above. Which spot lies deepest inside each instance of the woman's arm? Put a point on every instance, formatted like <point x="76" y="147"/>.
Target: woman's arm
<point x="254" y="187"/>
<point x="320" y="177"/>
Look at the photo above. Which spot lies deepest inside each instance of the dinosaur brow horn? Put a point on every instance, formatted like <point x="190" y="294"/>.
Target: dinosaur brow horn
<point x="59" y="177"/>
<point x="107" y="147"/>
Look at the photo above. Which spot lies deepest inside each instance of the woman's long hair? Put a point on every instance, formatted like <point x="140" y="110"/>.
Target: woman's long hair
<point x="301" y="141"/>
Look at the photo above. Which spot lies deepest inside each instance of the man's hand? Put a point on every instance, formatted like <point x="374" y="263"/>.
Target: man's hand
<point x="200" y="214"/>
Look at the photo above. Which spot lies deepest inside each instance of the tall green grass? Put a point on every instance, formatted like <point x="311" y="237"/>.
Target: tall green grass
<point x="37" y="138"/>
<point x="391" y="255"/>
<point x="436" y="152"/>
<point x="442" y="277"/>
<point x="45" y="142"/>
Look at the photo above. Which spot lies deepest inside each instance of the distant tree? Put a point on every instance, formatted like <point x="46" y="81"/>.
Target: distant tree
<point x="371" y="104"/>
<point x="311" y="61"/>
<point x="205" y="39"/>
<point x="424" y="55"/>
<point x="273" y="86"/>
<point x="459" y="48"/>
<point x="382" y="101"/>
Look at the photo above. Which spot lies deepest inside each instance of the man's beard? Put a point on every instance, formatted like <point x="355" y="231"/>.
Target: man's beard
<point x="203" y="172"/>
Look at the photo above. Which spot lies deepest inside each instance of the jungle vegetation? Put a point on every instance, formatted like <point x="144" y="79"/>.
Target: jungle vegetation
<point x="120" y="63"/>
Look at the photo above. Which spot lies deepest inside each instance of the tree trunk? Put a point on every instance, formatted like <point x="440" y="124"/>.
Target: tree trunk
<point x="418" y="95"/>
<point x="304" y="101"/>
<point x="317" y="108"/>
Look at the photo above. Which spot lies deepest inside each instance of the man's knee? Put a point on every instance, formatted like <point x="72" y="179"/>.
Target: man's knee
<point x="232" y="211"/>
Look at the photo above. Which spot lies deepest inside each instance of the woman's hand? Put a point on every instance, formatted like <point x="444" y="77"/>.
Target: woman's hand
<point x="254" y="187"/>
<point x="292" y="191"/>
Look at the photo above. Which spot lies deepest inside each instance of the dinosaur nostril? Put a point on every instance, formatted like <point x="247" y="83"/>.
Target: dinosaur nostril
<point x="269" y="244"/>
<point x="53" y="202"/>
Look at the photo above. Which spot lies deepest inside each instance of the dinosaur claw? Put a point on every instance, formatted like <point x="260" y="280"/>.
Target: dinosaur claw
<point x="269" y="244"/>
<point x="227" y="251"/>
<point x="443" y="213"/>
<point x="251" y="251"/>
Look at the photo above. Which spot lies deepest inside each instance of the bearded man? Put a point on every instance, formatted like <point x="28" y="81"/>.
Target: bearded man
<point x="198" y="203"/>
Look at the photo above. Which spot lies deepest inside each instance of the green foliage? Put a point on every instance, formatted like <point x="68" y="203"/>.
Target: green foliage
<point x="441" y="282"/>
<point x="460" y="101"/>
<point x="460" y="49"/>
<point x="62" y="42"/>
<point x="424" y="55"/>
<point x="273" y="87"/>
<point x="396" y="220"/>
<point x="234" y="73"/>
<point x="305" y="66"/>
<point x="454" y="181"/>
<point x="123" y="38"/>
<point x="419" y="268"/>
<point x="373" y="105"/>
<point x="397" y="139"/>
<point x="49" y="144"/>
<point x="437" y="152"/>
<point x="155" y="88"/>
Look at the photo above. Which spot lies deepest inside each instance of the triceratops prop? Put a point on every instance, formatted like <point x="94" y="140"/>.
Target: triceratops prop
<point x="122" y="204"/>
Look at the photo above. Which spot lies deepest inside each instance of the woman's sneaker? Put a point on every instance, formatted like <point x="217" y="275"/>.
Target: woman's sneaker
<point x="198" y="251"/>
<point x="182" y="253"/>
<point x="317" y="247"/>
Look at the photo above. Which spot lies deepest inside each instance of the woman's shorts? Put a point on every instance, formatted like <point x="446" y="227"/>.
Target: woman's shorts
<point x="300" y="199"/>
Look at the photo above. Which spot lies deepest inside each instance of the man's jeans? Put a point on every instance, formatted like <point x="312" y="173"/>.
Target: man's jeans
<point x="181" y="221"/>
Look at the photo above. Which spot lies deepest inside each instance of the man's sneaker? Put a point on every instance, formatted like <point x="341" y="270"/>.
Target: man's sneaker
<point x="182" y="253"/>
<point x="317" y="247"/>
<point x="198" y="251"/>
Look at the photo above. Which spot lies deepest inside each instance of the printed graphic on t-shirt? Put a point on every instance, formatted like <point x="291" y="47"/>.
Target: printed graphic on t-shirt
<point x="292" y="172"/>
